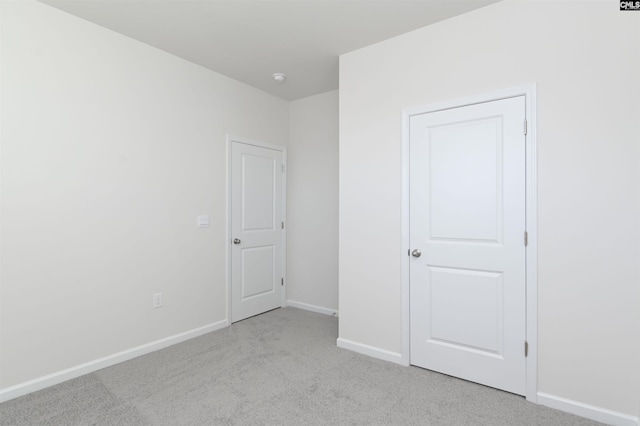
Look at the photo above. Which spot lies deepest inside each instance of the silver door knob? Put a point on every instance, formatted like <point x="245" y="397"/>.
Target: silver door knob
<point x="236" y="241"/>
<point x="416" y="253"/>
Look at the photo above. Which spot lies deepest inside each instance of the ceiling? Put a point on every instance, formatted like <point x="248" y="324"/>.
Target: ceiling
<point x="249" y="40"/>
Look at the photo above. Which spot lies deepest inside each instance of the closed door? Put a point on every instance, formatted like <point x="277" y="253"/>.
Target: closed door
<point x="467" y="234"/>
<point x="256" y="230"/>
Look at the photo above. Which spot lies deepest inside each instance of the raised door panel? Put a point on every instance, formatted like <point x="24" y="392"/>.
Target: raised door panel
<point x="258" y="187"/>
<point x="465" y="183"/>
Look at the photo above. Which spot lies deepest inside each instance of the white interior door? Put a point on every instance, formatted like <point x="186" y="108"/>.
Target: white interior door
<point x="467" y="218"/>
<point x="256" y="230"/>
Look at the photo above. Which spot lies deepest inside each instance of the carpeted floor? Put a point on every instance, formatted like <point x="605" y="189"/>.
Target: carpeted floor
<point x="279" y="368"/>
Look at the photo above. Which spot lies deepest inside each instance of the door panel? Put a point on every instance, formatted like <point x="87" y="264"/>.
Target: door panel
<point x="466" y="307"/>
<point x="465" y="206"/>
<point x="256" y="214"/>
<point x="258" y="178"/>
<point x="467" y="216"/>
<point x="258" y="271"/>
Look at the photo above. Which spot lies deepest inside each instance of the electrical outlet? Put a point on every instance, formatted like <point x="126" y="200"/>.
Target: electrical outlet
<point x="157" y="300"/>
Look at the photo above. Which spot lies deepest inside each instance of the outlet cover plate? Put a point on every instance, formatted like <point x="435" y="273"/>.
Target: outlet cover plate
<point x="157" y="300"/>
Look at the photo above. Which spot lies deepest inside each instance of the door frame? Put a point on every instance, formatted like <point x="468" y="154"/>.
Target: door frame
<point x="531" y="263"/>
<point x="230" y="140"/>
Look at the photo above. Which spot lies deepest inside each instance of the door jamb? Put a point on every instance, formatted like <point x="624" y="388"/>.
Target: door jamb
<point x="531" y="263"/>
<point x="230" y="140"/>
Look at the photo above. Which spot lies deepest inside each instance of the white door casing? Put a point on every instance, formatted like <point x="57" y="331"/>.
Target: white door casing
<point x="256" y="228"/>
<point x="467" y="217"/>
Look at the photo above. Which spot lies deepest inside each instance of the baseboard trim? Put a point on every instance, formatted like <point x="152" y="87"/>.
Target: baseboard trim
<point x="21" y="389"/>
<point x="588" y="411"/>
<point x="312" y="308"/>
<point x="371" y="351"/>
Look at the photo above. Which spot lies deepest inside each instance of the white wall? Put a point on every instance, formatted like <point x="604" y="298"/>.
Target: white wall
<point x="312" y="184"/>
<point x="110" y="149"/>
<point x="585" y="59"/>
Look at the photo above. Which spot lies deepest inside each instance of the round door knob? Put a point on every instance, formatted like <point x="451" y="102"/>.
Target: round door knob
<point x="416" y="253"/>
<point x="236" y="241"/>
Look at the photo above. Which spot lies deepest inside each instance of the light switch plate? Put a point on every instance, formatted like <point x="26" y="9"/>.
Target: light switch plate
<point x="203" y="221"/>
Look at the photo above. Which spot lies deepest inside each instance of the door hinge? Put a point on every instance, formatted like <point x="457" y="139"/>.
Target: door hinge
<point x="526" y="348"/>
<point x="282" y="225"/>
<point x="525" y="127"/>
<point x="282" y="281"/>
<point x="283" y="168"/>
<point x="526" y="238"/>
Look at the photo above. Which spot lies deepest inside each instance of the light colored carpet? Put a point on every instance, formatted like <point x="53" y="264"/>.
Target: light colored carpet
<point x="279" y="368"/>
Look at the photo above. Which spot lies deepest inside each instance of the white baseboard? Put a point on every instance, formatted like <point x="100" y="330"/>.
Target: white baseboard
<point x="585" y="410"/>
<point x="372" y="351"/>
<point x="312" y="308"/>
<point x="98" y="364"/>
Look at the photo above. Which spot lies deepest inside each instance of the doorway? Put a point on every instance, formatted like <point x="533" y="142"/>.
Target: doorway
<point x="256" y="227"/>
<point x="468" y="287"/>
